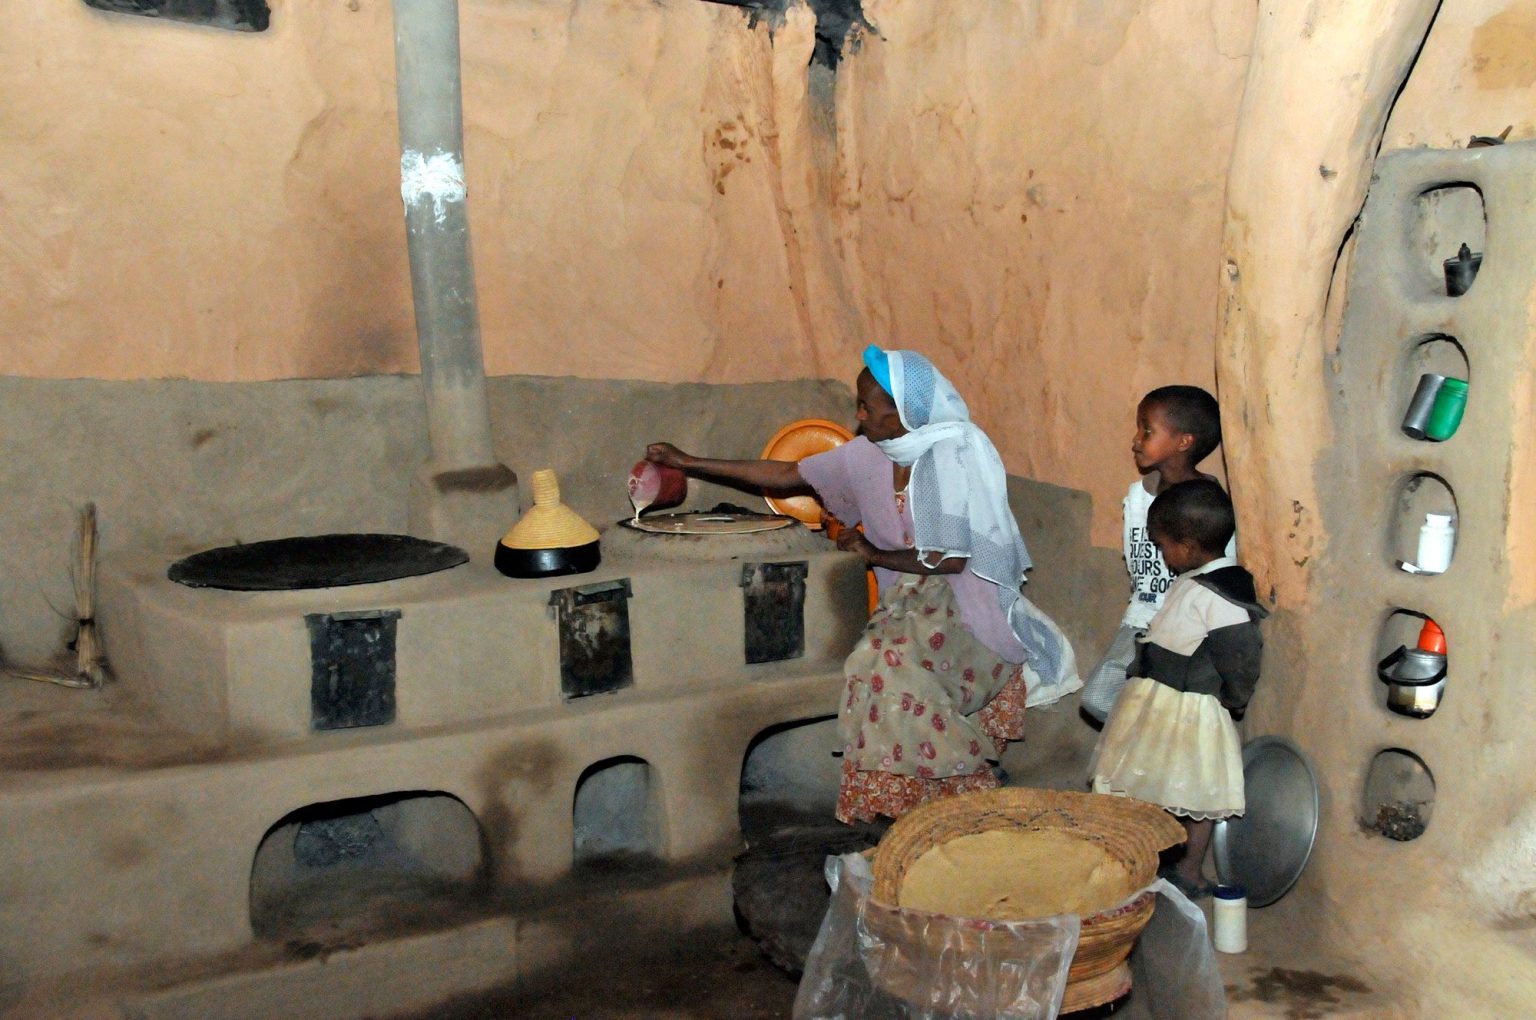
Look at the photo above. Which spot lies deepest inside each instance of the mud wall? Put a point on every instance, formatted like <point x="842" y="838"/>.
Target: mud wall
<point x="1048" y="241"/>
<point x="1330" y="399"/>
<point x="1474" y="76"/>
<point x="179" y="466"/>
<point x="663" y="192"/>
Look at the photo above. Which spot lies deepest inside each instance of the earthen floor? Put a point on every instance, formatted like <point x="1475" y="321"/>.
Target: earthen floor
<point x="1286" y="975"/>
<point x="719" y="975"/>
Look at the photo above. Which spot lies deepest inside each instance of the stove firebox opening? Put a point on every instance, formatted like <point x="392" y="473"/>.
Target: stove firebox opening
<point x="616" y="812"/>
<point x="789" y="784"/>
<point x="789" y="775"/>
<point x="345" y="866"/>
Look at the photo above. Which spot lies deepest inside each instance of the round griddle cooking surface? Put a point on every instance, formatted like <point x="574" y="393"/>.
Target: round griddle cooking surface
<point x="315" y="561"/>
<point x="708" y="523"/>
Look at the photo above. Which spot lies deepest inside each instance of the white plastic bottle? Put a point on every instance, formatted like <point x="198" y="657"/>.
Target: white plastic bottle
<point x="1437" y="540"/>
<point x="1230" y="907"/>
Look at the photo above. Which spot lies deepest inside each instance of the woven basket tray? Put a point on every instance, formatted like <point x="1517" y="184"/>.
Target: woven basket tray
<point x="1130" y="831"/>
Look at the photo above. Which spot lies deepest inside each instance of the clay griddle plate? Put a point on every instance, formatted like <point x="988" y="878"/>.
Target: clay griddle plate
<point x="315" y="561"/>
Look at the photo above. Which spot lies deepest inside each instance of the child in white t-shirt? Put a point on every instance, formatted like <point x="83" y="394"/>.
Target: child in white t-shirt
<point x="1177" y="427"/>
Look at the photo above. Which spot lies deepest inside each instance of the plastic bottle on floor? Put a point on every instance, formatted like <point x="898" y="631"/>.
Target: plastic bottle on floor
<point x="1230" y="906"/>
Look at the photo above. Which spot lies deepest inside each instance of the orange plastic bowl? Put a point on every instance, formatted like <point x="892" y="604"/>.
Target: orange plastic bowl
<point x="797" y="441"/>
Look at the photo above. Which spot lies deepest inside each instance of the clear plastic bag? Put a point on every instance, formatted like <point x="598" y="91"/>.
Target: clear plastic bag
<point x="872" y="961"/>
<point x="1173" y="968"/>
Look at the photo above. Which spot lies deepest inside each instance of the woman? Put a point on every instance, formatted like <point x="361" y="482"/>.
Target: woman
<point x="939" y="681"/>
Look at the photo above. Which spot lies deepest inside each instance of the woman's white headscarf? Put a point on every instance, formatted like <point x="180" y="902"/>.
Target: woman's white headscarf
<point x="960" y="506"/>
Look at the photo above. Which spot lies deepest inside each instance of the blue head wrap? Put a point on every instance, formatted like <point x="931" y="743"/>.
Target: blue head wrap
<point x="879" y="365"/>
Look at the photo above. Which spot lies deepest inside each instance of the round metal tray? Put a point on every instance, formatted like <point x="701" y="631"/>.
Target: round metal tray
<point x="1266" y="848"/>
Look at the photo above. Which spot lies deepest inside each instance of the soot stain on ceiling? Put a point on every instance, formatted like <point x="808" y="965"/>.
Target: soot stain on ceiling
<point x="836" y="21"/>
<point x="236" y="15"/>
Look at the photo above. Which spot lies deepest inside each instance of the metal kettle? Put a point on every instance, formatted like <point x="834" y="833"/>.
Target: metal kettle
<point x="1415" y="677"/>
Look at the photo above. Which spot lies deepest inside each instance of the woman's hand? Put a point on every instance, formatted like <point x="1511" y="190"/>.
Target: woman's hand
<point x="846" y="537"/>
<point x="667" y="455"/>
<point x="904" y="561"/>
<point x="777" y="475"/>
<point x="853" y="540"/>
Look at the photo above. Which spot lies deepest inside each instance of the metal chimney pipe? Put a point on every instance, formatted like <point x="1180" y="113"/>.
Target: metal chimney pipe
<point x="462" y="494"/>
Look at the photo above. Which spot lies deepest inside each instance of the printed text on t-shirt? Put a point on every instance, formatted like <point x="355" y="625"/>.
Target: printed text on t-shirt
<point x="1147" y="567"/>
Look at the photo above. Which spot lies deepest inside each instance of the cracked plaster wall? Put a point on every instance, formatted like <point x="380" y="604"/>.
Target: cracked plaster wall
<point x="1475" y="76"/>
<point x="658" y="191"/>
<point x="1466" y="885"/>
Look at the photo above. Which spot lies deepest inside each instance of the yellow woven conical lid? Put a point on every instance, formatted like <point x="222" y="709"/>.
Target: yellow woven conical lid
<point x="549" y="523"/>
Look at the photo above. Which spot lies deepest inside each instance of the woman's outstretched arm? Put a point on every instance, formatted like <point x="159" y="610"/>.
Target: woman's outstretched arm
<point x="778" y="475"/>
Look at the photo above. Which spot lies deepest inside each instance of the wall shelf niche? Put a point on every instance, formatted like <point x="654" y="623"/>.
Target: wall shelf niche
<point x="1432" y="354"/>
<point x="1412" y="663"/>
<point x="1417" y="496"/>
<point x="1445" y="217"/>
<point x="1399" y="795"/>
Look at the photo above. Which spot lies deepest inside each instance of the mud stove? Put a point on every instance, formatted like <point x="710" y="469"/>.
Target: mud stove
<point x="376" y="796"/>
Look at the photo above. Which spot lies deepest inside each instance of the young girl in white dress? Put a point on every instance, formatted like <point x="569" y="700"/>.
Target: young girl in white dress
<point x="1171" y="737"/>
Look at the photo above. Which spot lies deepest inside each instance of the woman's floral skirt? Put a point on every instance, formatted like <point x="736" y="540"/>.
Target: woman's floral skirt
<point x="927" y="707"/>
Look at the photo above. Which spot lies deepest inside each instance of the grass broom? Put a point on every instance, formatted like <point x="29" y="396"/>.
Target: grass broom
<point x="89" y="669"/>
